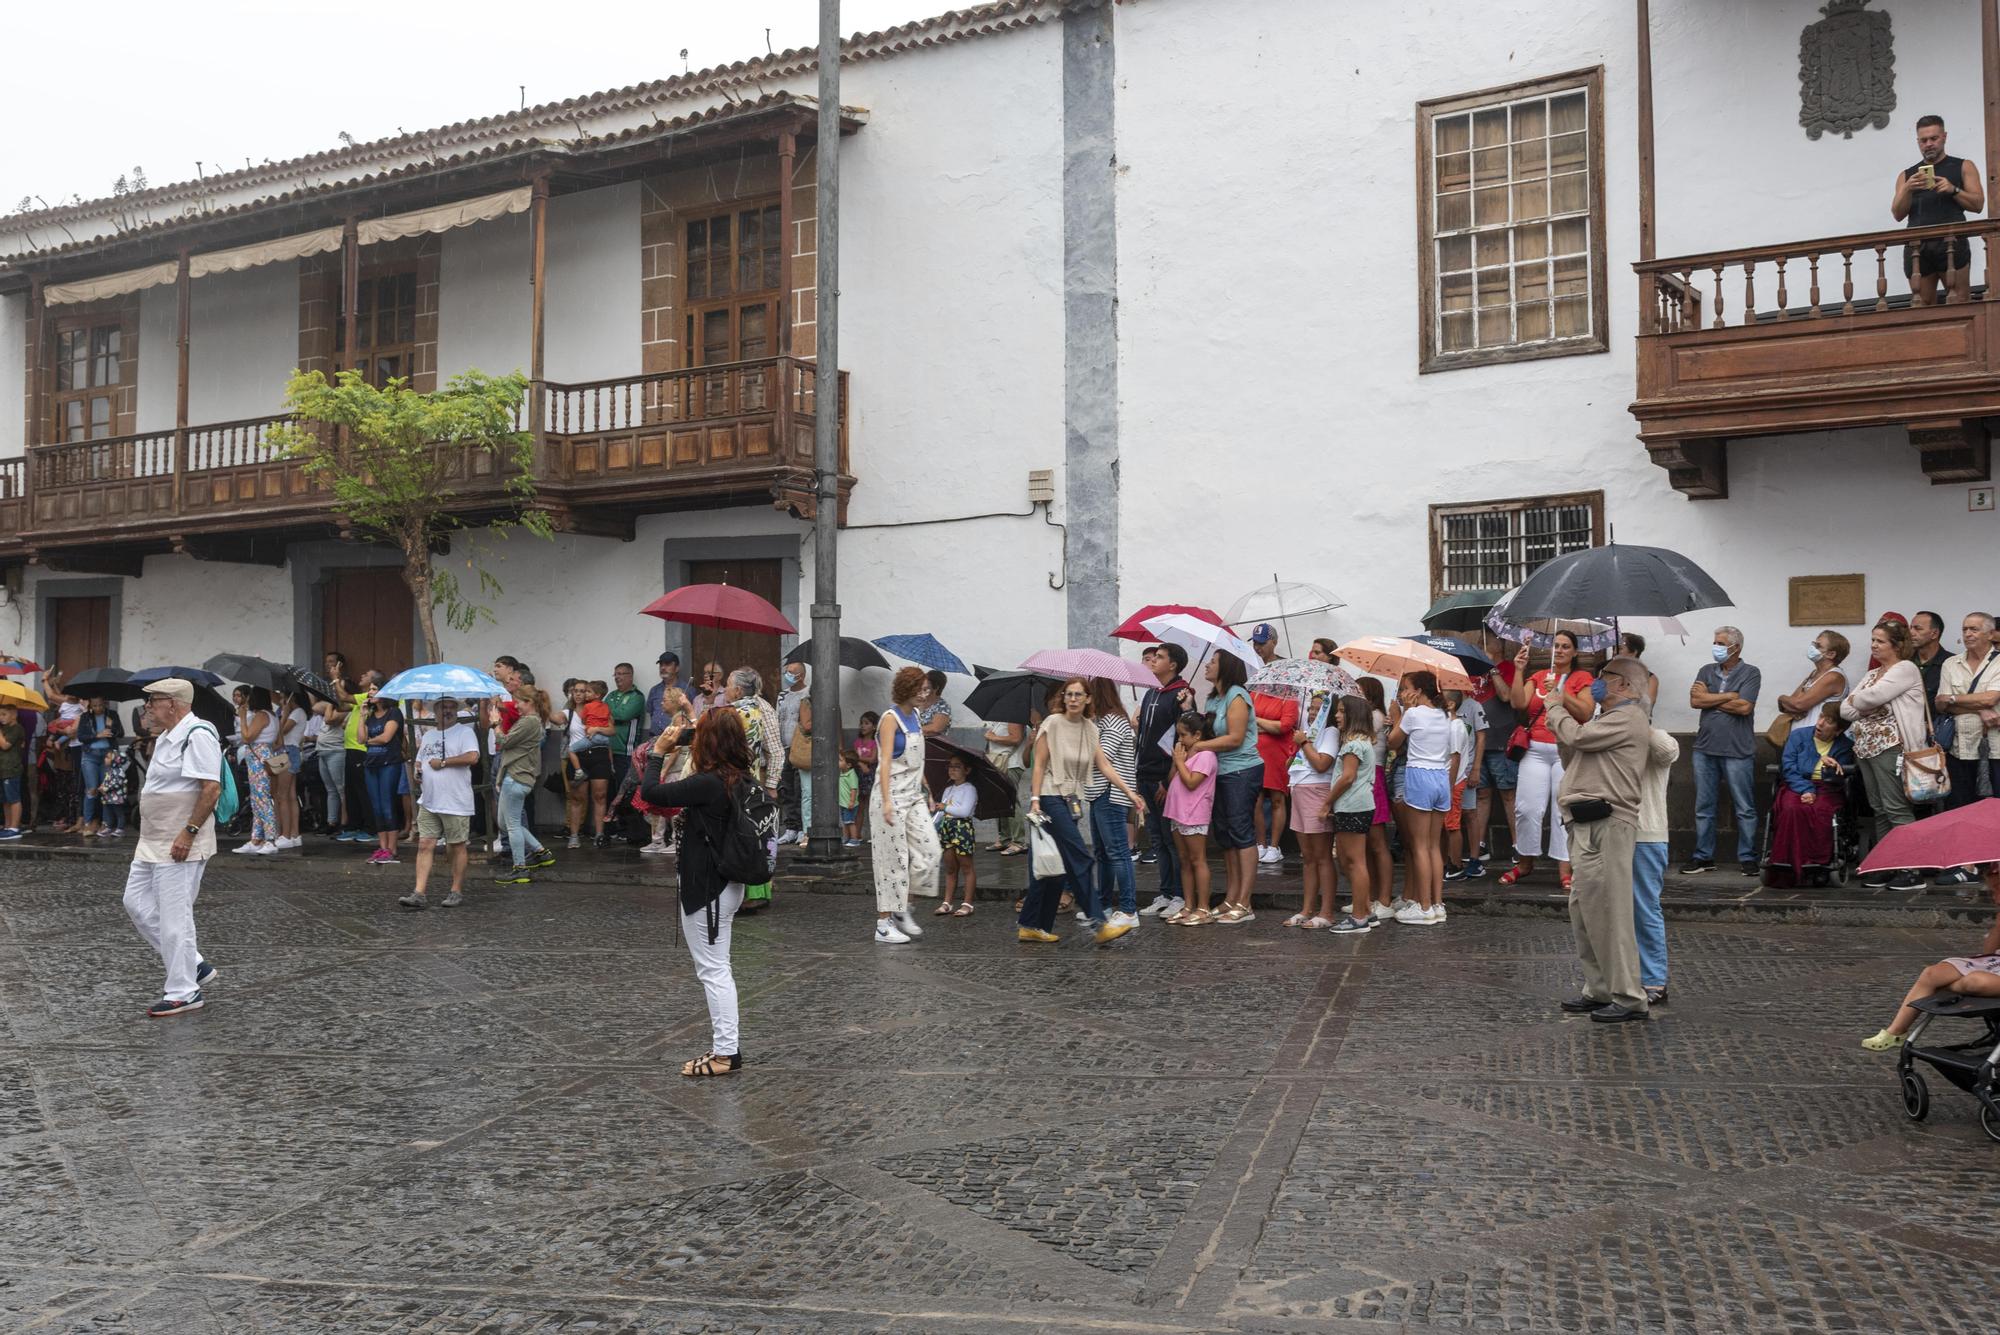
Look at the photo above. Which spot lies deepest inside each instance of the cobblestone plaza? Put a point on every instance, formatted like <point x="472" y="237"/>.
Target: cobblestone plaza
<point x="471" y="1120"/>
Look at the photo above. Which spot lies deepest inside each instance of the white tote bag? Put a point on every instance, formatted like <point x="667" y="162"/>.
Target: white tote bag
<point x="1044" y="858"/>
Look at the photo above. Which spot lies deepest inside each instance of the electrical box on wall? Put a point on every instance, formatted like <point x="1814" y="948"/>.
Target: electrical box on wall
<point x="1041" y="486"/>
<point x="1979" y="498"/>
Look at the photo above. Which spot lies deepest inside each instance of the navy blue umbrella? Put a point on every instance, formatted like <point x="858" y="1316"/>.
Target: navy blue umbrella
<point x="925" y="651"/>
<point x="1476" y="664"/>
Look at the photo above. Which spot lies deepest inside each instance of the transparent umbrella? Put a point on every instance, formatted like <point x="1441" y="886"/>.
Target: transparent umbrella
<point x="1300" y="612"/>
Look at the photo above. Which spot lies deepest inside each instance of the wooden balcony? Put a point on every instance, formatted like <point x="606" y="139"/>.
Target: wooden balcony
<point x="609" y="451"/>
<point x="1772" y="340"/>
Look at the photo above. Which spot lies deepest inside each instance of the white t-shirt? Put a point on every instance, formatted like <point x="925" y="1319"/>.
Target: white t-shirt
<point x="448" y="791"/>
<point x="1461" y="742"/>
<point x="1429" y="731"/>
<point x="295" y="730"/>
<point x="1327" y="743"/>
<point x="959" y="800"/>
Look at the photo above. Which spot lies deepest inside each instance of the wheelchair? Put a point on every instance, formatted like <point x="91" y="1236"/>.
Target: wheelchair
<point x="1848" y="823"/>
<point x="1972" y="1065"/>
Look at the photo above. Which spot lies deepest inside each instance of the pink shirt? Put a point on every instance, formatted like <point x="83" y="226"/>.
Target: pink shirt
<point x="1191" y="806"/>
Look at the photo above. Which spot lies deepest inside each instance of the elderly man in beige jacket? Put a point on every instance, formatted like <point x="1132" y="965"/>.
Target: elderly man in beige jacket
<point x="1604" y="767"/>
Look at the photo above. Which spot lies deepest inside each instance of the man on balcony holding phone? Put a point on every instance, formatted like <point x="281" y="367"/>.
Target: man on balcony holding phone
<point x="1939" y="189"/>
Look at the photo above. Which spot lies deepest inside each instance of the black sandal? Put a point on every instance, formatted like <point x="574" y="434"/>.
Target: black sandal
<point x="708" y="1064"/>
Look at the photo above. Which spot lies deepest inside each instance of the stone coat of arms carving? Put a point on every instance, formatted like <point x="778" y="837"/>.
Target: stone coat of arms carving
<point x="1847" y="71"/>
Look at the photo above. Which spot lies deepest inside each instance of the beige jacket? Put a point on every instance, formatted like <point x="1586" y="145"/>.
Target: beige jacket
<point x="1957" y="679"/>
<point x="1604" y="758"/>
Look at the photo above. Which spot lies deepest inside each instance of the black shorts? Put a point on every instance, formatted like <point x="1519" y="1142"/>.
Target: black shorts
<point x="595" y="763"/>
<point x="1929" y="256"/>
<point x="1352" y="822"/>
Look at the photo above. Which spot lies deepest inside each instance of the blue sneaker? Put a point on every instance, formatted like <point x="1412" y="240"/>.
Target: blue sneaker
<point x="10" y="833"/>
<point x="163" y="1008"/>
<point x="205" y="974"/>
<point x="1475" y="869"/>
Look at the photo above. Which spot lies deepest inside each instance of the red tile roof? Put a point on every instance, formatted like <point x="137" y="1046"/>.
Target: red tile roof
<point x="952" y="26"/>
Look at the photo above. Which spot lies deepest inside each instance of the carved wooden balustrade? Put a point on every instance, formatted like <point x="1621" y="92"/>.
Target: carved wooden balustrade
<point x="704" y="436"/>
<point x="1813" y="336"/>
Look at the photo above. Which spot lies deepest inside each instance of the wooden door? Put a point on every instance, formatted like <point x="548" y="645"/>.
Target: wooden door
<point x="368" y="615"/>
<point x="82" y="635"/>
<point x="735" y="648"/>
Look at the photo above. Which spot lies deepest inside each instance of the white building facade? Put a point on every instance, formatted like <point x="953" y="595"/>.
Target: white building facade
<point x="1304" y="288"/>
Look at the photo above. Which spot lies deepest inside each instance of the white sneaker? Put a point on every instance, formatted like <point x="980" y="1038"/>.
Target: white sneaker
<point x="293" y="842"/>
<point x="1271" y="855"/>
<point x="1156" y="908"/>
<point x="1398" y="904"/>
<point x="789" y="837"/>
<point x="656" y="847"/>
<point x="248" y="848"/>
<point x="1081" y="916"/>
<point x="1437" y="913"/>
<point x="1412" y="916"/>
<point x="1173" y="906"/>
<point x="887" y="935"/>
<point x="1262" y="851"/>
<point x="1129" y="919"/>
<point x="908" y="922"/>
<point x="265" y="848"/>
<point x="1380" y="913"/>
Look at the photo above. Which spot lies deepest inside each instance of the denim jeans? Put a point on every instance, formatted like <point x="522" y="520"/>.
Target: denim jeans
<point x="1710" y="774"/>
<point x="381" y="780"/>
<point x="333" y="773"/>
<point x="93" y="774"/>
<point x="520" y="840"/>
<point x="1649" y="874"/>
<point x="1112" y="839"/>
<point x="1964" y="779"/>
<point x="1044" y="897"/>
<point x="1160" y="834"/>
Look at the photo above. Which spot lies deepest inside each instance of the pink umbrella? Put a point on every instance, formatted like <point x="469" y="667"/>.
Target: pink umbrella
<point x="1388" y="656"/>
<point x="721" y="606"/>
<point x="1958" y="838"/>
<point x="1089" y="663"/>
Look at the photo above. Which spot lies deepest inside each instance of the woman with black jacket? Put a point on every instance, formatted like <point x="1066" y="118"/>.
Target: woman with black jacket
<point x="721" y="762"/>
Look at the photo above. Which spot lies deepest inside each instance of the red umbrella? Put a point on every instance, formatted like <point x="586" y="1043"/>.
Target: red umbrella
<point x="18" y="667"/>
<point x="1133" y="627"/>
<point x="721" y="606"/>
<point x="1958" y="838"/>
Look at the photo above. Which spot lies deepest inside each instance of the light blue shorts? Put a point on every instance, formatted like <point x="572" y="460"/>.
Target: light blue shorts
<point x="1426" y="789"/>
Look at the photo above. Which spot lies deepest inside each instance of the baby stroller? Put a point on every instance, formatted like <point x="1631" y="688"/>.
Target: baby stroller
<point x="1974" y="1066"/>
<point x="1848" y="823"/>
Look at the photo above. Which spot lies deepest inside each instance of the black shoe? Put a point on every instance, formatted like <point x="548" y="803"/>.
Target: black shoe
<point x="163" y="1008"/>
<point x="1582" y="1005"/>
<point x="1656" y="996"/>
<point x="1616" y="1014"/>
<point x="1695" y="866"/>
<point x="1752" y="868"/>
<point x="1877" y="880"/>
<point x="1910" y="880"/>
<point x="514" y="876"/>
<point x="1148" y="858"/>
<point x="601" y="841"/>
<point x="541" y="860"/>
<point x="1956" y="876"/>
<point x="414" y="902"/>
<point x="205" y="974"/>
<point x="1454" y="871"/>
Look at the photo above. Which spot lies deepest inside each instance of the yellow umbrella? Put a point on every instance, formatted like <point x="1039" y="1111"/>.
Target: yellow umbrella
<point x="14" y="693"/>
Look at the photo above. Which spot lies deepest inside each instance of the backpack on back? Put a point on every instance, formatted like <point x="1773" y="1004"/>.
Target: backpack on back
<point x="747" y="850"/>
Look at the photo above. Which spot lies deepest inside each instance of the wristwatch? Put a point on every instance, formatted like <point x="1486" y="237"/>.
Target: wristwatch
<point x="192" y="829"/>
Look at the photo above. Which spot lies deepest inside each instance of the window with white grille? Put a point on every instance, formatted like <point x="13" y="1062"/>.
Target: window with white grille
<point x="1512" y="222"/>
<point x="1498" y="544"/>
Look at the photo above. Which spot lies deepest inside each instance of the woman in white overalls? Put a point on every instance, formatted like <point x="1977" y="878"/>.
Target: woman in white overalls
<point x="906" y="851"/>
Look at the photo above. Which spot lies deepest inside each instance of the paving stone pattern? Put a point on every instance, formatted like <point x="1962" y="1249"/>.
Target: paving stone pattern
<point x="472" y="1121"/>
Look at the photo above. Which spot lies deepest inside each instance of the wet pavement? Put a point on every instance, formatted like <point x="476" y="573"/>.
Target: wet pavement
<point x="471" y="1120"/>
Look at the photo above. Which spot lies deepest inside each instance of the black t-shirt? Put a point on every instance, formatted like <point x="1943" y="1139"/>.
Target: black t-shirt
<point x="1931" y="209"/>
<point x="1932" y="672"/>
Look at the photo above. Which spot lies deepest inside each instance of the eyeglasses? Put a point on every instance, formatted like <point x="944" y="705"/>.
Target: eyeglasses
<point x="1076" y="695"/>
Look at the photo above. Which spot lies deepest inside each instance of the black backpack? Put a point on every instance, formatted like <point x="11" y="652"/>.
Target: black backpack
<point x="747" y="850"/>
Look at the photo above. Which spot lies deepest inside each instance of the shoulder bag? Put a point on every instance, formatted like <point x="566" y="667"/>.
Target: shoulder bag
<point x="1925" y="777"/>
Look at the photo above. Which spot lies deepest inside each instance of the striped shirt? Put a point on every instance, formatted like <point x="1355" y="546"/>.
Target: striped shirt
<point x="1121" y="748"/>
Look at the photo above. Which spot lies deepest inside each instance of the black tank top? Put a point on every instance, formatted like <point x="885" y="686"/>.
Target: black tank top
<point x="1927" y="207"/>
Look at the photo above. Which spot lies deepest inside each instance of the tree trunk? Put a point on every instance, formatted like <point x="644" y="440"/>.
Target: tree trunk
<point x="417" y="574"/>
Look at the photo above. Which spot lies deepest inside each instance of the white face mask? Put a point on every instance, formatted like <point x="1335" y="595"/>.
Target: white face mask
<point x="1813" y="654"/>
<point x="1719" y="652"/>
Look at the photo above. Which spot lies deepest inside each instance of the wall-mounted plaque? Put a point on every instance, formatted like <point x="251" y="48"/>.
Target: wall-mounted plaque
<point x="1829" y="600"/>
<point x="1847" y="70"/>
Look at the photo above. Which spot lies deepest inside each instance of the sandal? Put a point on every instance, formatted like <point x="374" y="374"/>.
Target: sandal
<point x="964" y="910"/>
<point x="1512" y="875"/>
<point x="943" y="910"/>
<point x="1012" y="851"/>
<point x="1565" y="882"/>
<point x="708" y="1064"/>
<point x="1296" y="920"/>
<point x="1317" y="924"/>
<point x="1068" y="904"/>
<point x="1194" y="918"/>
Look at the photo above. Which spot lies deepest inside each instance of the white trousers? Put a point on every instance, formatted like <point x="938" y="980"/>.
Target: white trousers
<point x="1541" y="776"/>
<point x="159" y="898"/>
<point x="711" y="965"/>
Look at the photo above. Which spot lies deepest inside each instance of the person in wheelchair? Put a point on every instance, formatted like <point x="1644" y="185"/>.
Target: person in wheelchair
<point x="1976" y="975"/>
<point x="1812" y="790"/>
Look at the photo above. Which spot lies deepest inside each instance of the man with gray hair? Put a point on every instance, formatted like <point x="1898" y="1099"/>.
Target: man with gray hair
<point x="1602" y="789"/>
<point x="176" y="840"/>
<point x="1725" y="751"/>
<point x="1969" y="696"/>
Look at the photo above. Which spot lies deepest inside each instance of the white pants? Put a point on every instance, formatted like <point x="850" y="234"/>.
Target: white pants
<point x="1541" y="776"/>
<point x="711" y="965"/>
<point x="159" y="898"/>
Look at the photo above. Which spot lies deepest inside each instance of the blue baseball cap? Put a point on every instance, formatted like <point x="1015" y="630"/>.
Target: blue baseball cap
<point x="1263" y="634"/>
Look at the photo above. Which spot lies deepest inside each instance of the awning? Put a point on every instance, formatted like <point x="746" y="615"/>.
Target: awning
<point x="443" y="218"/>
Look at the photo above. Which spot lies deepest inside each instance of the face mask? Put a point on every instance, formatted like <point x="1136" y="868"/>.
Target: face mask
<point x="1812" y="654"/>
<point x="1597" y="689"/>
<point x="1719" y="652"/>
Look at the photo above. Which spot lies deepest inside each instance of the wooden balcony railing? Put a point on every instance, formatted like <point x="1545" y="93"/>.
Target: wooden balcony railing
<point x="707" y="435"/>
<point x="1815" y="336"/>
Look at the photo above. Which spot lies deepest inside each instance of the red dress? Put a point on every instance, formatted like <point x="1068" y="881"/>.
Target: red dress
<point x="1277" y="748"/>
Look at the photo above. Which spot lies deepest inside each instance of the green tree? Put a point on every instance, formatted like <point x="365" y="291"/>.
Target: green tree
<point x="394" y="460"/>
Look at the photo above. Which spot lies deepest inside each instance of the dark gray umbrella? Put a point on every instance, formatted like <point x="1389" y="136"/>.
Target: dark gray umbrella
<point x="1009" y="697"/>
<point x="103" y="683"/>
<point x="1616" y="581"/>
<point x="854" y="653"/>
<point x="993" y="790"/>
<point x="1465" y="610"/>
<point x="253" y="671"/>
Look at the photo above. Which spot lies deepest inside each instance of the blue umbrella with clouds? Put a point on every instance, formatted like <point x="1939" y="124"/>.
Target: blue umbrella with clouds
<point x="925" y="651"/>
<point x="437" y="681"/>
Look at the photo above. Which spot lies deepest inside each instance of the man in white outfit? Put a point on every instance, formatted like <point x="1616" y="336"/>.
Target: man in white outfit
<point x="176" y="840"/>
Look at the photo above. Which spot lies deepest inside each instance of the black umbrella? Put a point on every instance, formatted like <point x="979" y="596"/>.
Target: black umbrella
<point x="854" y="653"/>
<point x="1616" y="581"/>
<point x="253" y="671"/>
<point x="995" y="791"/>
<point x="1461" y="611"/>
<point x="210" y="707"/>
<point x="311" y="682"/>
<point x="1009" y="697"/>
<point x="103" y="683"/>
<point x="1475" y="663"/>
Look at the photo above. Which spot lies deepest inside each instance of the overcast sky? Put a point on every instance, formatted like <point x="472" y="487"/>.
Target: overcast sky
<point x="162" y="85"/>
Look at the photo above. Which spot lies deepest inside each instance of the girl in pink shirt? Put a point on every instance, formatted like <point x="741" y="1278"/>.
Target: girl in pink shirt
<point x="1190" y="800"/>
